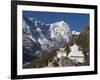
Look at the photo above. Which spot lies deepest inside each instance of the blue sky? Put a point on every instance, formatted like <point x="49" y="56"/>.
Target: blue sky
<point x="76" y="21"/>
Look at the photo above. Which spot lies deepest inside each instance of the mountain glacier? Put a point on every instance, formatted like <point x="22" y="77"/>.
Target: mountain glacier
<point x="39" y="37"/>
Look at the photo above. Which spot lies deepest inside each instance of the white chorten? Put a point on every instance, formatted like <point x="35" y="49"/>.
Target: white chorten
<point x="76" y="55"/>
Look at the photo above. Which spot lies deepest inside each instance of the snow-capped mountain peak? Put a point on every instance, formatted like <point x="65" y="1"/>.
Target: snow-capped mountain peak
<point x="60" y="30"/>
<point x="75" y="32"/>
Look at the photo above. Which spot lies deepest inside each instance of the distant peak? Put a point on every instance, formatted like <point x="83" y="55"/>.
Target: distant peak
<point x="75" y="32"/>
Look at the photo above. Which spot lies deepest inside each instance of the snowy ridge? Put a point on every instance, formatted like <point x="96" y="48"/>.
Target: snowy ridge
<point x="75" y="32"/>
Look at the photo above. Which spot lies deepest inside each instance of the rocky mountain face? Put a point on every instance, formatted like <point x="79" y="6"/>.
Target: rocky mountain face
<point x="39" y="38"/>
